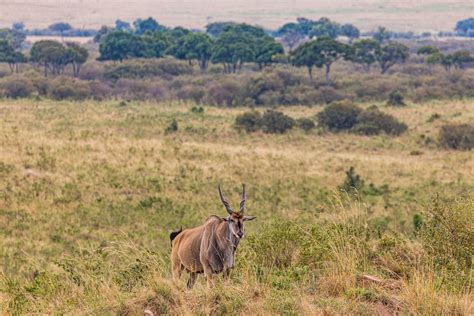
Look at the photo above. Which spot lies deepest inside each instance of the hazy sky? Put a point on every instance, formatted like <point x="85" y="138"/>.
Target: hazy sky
<point x="366" y="14"/>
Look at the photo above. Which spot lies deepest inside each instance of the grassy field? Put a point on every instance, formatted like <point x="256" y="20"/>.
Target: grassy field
<point x="90" y="191"/>
<point x="399" y="15"/>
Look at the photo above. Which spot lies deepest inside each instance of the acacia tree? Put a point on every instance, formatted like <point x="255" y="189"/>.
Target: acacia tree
<point x="365" y="52"/>
<point x="77" y="56"/>
<point x="350" y="31"/>
<point x="193" y="46"/>
<point x="382" y="35"/>
<point x="432" y="55"/>
<point x="291" y="34"/>
<point x="265" y="48"/>
<point x="324" y="28"/>
<point x="305" y="55"/>
<point x="150" y="24"/>
<point x="51" y="55"/>
<point x="60" y="27"/>
<point x="10" y="56"/>
<point x="391" y="54"/>
<point x="120" y="45"/>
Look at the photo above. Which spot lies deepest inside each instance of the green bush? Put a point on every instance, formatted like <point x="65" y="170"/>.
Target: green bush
<point x="276" y="122"/>
<point x="249" y="121"/>
<point x="373" y="122"/>
<point x="16" y="87"/>
<point x="395" y="98"/>
<point x="457" y="136"/>
<point x="339" y="116"/>
<point x="306" y="124"/>
<point x="172" y="127"/>
<point x="69" y="88"/>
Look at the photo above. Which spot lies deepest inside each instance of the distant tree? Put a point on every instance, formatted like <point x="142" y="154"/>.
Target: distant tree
<point x="77" y="56"/>
<point x="18" y="26"/>
<point x="216" y="28"/>
<point x="391" y="54"/>
<point x="14" y="37"/>
<point x="178" y="32"/>
<point x="60" y="27"/>
<point x="195" y="46"/>
<point x="465" y="27"/>
<point x="350" y="31"/>
<point x="433" y="55"/>
<point x="155" y="44"/>
<point x="305" y="25"/>
<point x="365" y="52"/>
<point x="329" y="51"/>
<point x="51" y="55"/>
<point x="324" y="28"/>
<point x="238" y="44"/>
<point x="150" y="24"/>
<point x="461" y="58"/>
<point x="291" y="34"/>
<point x="381" y="35"/>
<point x="305" y="55"/>
<point x="120" y="45"/>
<point x="427" y="50"/>
<point x="266" y="47"/>
<point x="10" y="56"/>
<point x="103" y="31"/>
<point x="122" y="26"/>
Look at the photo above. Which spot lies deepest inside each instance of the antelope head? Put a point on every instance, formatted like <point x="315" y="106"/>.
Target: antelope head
<point x="236" y="219"/>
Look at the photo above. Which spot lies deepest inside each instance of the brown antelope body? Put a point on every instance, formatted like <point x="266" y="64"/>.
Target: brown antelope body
<point x="209" y="248"/>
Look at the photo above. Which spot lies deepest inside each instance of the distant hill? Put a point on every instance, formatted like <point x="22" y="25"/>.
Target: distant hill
<point x="398" y="15"/>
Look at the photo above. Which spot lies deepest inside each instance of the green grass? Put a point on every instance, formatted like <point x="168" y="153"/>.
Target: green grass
<point x="90" y="191"/>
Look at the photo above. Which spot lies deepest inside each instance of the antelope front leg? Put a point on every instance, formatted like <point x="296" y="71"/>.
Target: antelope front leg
<point x="227" y="276"/>
<point x="209" y="277"/>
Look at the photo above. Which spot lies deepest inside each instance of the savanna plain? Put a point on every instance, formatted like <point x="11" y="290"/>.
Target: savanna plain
<point x="90" y="190"/>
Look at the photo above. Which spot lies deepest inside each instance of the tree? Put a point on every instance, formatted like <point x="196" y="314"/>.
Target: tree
<point x="150" y="24"/>
<point x="461" y="58"/>
<point x="365" y="52"/>
<point x="391" y="54"/>
<point x="51" y="55"/>
<point x="236" y="45"/>
<point x="465" y="27"/>
<point x="60" y="27"/>
<point x="305" y="56"/>
<point x="77" y="56"/>
<point x="328" y="52"/>
<point x="266" y="48"/>
<point x="103" y="31"/>
<point x="10" y="56"/>
<point x="15" y="37"/>
<point x="216" y="28"/>
<point x="432" y="54"/>
<point x="122" y="25"/>
<point x="427" y="50"/>
<point x="155" y="44"/>
<point x="18" y="26"/>
<point x="196" y="46"/>
<point x="120" y="45"/>
<point x="381" y="35"/>
<point x="350" y="31"/>
<point x="291" y="34"/>
<point x="324" y="28"/>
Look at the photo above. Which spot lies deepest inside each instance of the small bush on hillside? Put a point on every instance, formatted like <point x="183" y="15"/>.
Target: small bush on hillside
<point x="276" y="122"/>
<point x="197" y="109"/>
<point x="352" y="183"/>
<point x="16" y="87"/>
<point x="373" y="122"/>
<point x="457" y="136"/>
<point x="306" y="124"/>
<point x="339" y="116"/>
<point x="249" y="121"/>
<point x="69" y="88"/>
<point x="395" y="98"/>
<point x="172" y="127"/>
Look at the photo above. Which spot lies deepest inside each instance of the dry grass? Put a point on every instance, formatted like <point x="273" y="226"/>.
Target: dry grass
<point x="401" y="15"/>
<point x="90" y="190"/>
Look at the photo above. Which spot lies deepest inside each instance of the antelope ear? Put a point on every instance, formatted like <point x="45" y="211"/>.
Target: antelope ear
<point x="249" y="218"/>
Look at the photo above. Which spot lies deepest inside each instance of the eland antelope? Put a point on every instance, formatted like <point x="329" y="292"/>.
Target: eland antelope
<point x="209" y="248"/>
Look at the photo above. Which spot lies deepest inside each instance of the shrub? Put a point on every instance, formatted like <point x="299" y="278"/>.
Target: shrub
<point x="16" y="87"/>
<point x="457" y="136"/>
<point x="145" y="68"/>
<point x="306" y="124"/>
<point x="172" y="127"/>
<point x="69" y="88"/>
<point x="223" y="93"/>
<point x="353" y="182"/>
<point x="249" y="121"/>
<point x="395" y="98"/>
<point x="339" y="116"/>
<point x="276" y="122"/>
<point x="373" y="122"/>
